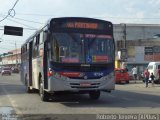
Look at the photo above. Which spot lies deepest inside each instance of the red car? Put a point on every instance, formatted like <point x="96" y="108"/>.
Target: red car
<point x="121" y="75"/>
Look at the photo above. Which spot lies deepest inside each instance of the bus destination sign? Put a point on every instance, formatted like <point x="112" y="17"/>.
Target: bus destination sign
<point x="82" y="25"/>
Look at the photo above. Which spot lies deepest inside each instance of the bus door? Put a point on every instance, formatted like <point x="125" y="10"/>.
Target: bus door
<point x="45" y="65"/>
<point x="30" y="63"/>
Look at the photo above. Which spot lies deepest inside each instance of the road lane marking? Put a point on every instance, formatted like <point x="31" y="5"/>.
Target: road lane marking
<point x="13" y="103"/>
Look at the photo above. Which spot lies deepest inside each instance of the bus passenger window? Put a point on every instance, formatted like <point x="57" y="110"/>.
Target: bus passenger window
<point x="41" y="37"/>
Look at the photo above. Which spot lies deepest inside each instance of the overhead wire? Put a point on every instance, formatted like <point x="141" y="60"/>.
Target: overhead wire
<point x="3" y="42"/>
<point x="21" y="23"/>
<point x="9" y="12"/>
<point x="25" y="20"/>
<point x="10" y="42"/>
<point x="28" y="20"/>
<point x="114" y="17"/>
<point x="29" y="14"/>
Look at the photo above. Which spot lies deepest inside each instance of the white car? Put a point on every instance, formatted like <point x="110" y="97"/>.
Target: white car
<point x="6" y="71"/>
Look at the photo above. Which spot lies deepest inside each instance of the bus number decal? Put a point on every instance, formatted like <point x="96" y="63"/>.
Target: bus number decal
<point x="98" y="74"/>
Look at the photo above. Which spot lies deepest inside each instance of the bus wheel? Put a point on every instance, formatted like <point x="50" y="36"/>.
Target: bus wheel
<point x="94" y="95"/>
<point x="43" y="94"/>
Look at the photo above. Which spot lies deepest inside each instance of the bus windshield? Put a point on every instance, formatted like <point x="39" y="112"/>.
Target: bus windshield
<point x="82" y="48"/>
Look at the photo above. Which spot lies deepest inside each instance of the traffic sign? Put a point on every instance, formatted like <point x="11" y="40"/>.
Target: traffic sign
<point x="11" y="30"/>
<point x="123" y="54"/>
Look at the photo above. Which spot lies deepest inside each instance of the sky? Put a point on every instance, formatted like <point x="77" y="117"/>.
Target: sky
<point x="33" y="14"/>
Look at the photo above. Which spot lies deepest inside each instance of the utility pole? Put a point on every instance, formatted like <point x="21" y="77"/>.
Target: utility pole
<point x="123" y="47"/>
<point x="16" y="54"/>
<point x="124" y="36"/>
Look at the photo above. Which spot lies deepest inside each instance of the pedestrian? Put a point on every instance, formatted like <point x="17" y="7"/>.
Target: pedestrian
<point x="134" y="72"/>
<point x="152" y="79"/>
<point x="126" y="68"/>
<point x="146" y="76"/>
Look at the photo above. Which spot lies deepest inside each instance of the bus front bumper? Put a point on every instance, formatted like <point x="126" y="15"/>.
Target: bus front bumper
<point x="76" y="85"/>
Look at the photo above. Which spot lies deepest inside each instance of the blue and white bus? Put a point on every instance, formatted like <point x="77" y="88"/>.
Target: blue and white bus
<point x="70" y="54"/>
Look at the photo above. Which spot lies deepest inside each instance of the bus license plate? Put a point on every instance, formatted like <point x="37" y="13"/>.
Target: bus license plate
<point x="123" y="81"/>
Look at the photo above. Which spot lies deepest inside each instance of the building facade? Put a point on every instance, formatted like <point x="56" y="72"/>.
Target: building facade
<point x="140" y="42"/>
<point x="11" y="59"/>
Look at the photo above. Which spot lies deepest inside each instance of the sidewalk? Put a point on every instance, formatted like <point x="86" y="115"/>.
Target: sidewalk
<point x="139" y="87"/>
<point x="140" y="83"/>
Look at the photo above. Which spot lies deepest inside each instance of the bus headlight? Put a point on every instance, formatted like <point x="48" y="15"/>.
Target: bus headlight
<point x="109" y="76"/>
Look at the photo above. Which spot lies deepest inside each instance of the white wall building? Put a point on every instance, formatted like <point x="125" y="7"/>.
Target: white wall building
<point x="136" y="38"/>
<point x="11" y="59"/>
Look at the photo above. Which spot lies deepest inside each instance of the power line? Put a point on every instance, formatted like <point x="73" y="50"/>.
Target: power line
<point x="4" y="42"/>
<point x="15" y="4"/>
<point x="126" y="17"/>
<point x="9" y="12"/>
<point x="25" y="20"/>
<point x="4" y="18"/>
<point x="9" y="44"/>
<point x="22" y="23"/>
<point x="30" y="27"/>
<point x="41" y="15"/>
<point x="30" y="14"/>
<point x="28" y="20"/>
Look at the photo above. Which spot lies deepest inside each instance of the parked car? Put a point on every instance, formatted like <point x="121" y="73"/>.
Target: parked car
<point x="153" y="68"/>
<point x="130" y="75"/>
<point x="15" y="70"/>
<point x="6" y="71"/>
<point x="121" y="75"/>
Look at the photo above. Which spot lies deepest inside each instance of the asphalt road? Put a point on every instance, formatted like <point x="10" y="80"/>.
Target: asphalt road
<point x="131" y="98"/>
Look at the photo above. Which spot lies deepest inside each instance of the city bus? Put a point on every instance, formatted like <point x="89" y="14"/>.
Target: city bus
<point x="69" y="54"/>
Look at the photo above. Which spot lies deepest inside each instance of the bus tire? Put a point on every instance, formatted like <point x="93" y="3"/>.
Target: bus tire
<point x="94" y="95"/>
<point x="43" y="94"/>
